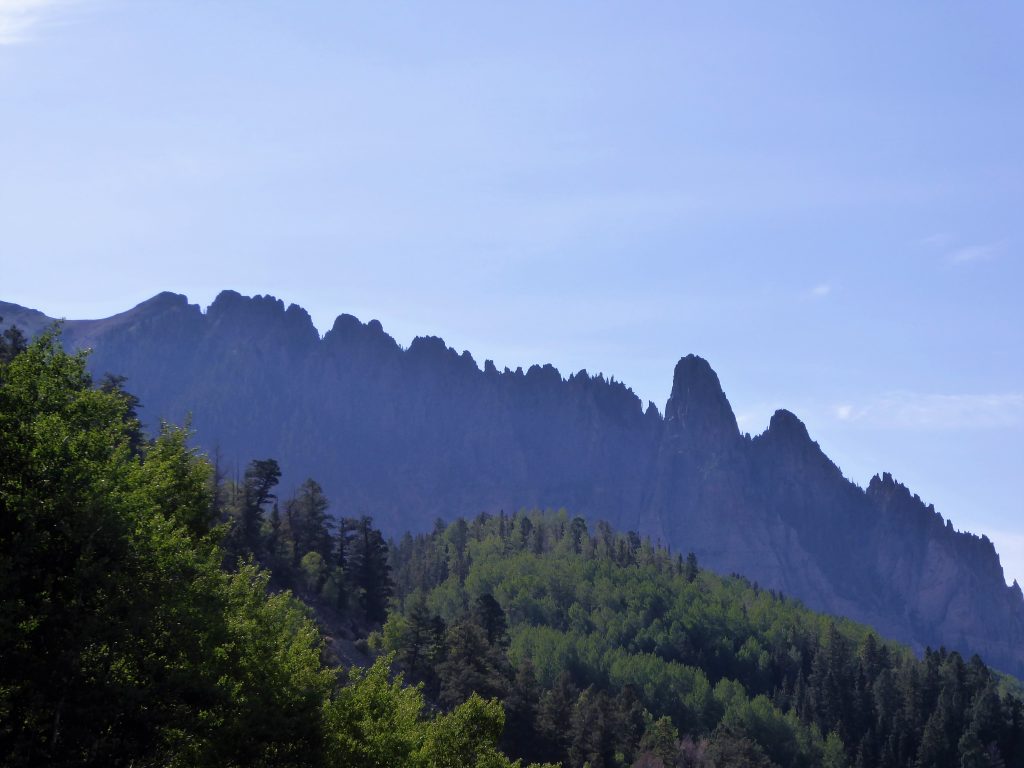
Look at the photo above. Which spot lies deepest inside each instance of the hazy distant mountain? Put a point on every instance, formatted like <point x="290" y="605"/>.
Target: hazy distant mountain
<point x="409" y="435"/>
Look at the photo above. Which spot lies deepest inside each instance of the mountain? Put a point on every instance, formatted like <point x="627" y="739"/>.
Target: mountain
<point x="410" y="435"/>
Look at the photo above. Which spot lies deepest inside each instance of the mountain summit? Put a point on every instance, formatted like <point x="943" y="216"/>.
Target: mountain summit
<point x="409" y="435"/>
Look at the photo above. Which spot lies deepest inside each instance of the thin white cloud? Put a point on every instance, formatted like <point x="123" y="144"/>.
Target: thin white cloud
<point x="19" y="19"/>
<point x="972" y="253"/>
<point x="909" y="410"/>
<point x="821" y="290"/>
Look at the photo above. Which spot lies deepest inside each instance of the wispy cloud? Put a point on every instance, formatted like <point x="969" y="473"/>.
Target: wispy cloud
<point x="931" y="411"/>
<point x="820" y="291"/>
<point x="953" y="255"/>
<point x="20" y="19"/>
<point x="972" y="253"/>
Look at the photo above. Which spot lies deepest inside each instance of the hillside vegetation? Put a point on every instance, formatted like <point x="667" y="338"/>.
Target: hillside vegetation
<point x="123" y="639"/>
<point x="608" y="651"/>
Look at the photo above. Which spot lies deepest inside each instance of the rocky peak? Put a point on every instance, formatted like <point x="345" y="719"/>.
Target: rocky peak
<point x="430" y="348"/>
<point x="349" y="331"/>
<point x="788" y="441"/>
<point x="262" y="316"/>
<point x="544" y="376"/>
<point x="895" y="499"/>
<point x="163" y="300"/>
<point x="698" y="407"/>
<point x="786" y="427"/>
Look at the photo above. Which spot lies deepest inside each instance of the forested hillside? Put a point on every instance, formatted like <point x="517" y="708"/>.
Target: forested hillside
<point x="124" y="639"/>
<point x="411" y="434"/>
<point x="609" y="651"/>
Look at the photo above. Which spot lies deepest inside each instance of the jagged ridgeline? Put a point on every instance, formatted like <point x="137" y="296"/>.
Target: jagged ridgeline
<point x="609" y="651"/>
<point x="413" y="434"/>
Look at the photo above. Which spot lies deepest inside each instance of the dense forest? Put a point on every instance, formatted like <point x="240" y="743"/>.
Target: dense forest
<point x="610" y="651"/>
<point x="149" y="615"/>
<point x="124" y="639"/>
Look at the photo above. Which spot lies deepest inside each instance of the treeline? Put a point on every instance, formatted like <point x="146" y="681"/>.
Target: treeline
<point x="609" y="651"/>
<point x="124" y="641"/>
<point x="341" y="562"/>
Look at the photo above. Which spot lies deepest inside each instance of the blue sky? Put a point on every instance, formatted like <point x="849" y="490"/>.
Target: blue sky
<point x="823" y="199"/>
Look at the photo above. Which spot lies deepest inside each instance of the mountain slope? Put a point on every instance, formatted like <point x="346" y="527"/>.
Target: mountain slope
<point x="577" y="628"/>
<point x="409" y="435"/>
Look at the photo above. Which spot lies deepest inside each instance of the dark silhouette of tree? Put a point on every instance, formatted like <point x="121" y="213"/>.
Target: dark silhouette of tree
<point x="261" y="476"/>
<point x="12" y="342"/>
<point x="471" y="665"/>
<point x="690" y="570"/>
<point x="308" y="522"/>
<point x="114" y="384"/>
<point x="367" y="569"/>
<point x="491" y="618"/>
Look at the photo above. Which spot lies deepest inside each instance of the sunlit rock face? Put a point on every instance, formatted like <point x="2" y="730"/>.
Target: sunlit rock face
<point x="410" y="435"/>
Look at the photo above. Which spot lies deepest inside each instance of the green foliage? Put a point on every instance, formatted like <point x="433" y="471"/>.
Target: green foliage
<point x="748" y="676"/>
<point x="466" y="736"/>
<point x="123" y="640"/>
<point x="12" y="342"/>
<point x="121" y="635"/>
<point x="375" y="721"/>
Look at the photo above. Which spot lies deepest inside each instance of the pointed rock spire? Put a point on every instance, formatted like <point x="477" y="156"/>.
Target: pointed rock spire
<point x="698" y="408"/>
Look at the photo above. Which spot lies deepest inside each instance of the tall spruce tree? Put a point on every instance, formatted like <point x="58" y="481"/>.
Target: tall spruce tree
<point x="261" y="476"/>
<point x="367" y="568"/>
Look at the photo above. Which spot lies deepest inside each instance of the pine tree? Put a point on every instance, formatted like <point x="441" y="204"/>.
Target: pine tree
<point x="520" y="735"/>
<point x="367" y="569"/>
<point x="691" y="570"/>
<point x="489" y="614"/>
<point x="471" y="665"/>
<point x="554" y="712"/>
<point x="12" y="343"/>
<point x="260" y="478"/>
<point x="422" y="644"/>
<point x="308" y="522"/>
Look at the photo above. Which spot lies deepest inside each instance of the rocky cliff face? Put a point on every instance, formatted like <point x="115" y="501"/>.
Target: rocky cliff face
<point x="409" y="435"/>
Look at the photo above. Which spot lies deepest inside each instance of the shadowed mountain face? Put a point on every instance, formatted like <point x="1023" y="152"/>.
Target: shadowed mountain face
<point x="409" y="435"/>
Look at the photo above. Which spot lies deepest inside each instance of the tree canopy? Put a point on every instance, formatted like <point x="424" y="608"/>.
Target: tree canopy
<point x="123" y="639"/>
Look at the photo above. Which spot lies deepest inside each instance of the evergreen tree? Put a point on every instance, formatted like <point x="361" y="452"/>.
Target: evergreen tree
<point x="489" y="614"/>
<point x="308" y="522"/>
<point x="422" y="645"/>
<point x="520" y="737"/>
<point x="590" y="737"/>
<point x="554" y="712"/>
<point x="260" y="478"/>
<point x="690" y="570"/>
<point x="12" y="343"/>
<point x="661" y="739"/>
<point x="367" y="568"/>
<point x="471" y="665"/>
<point x="114" y="384"/>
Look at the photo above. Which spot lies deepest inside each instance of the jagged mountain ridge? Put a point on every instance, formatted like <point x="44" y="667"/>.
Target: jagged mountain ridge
<point x="412" y="434"/>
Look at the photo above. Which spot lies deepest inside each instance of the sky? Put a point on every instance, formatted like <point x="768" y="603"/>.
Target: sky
<point x="822" y="199"/>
